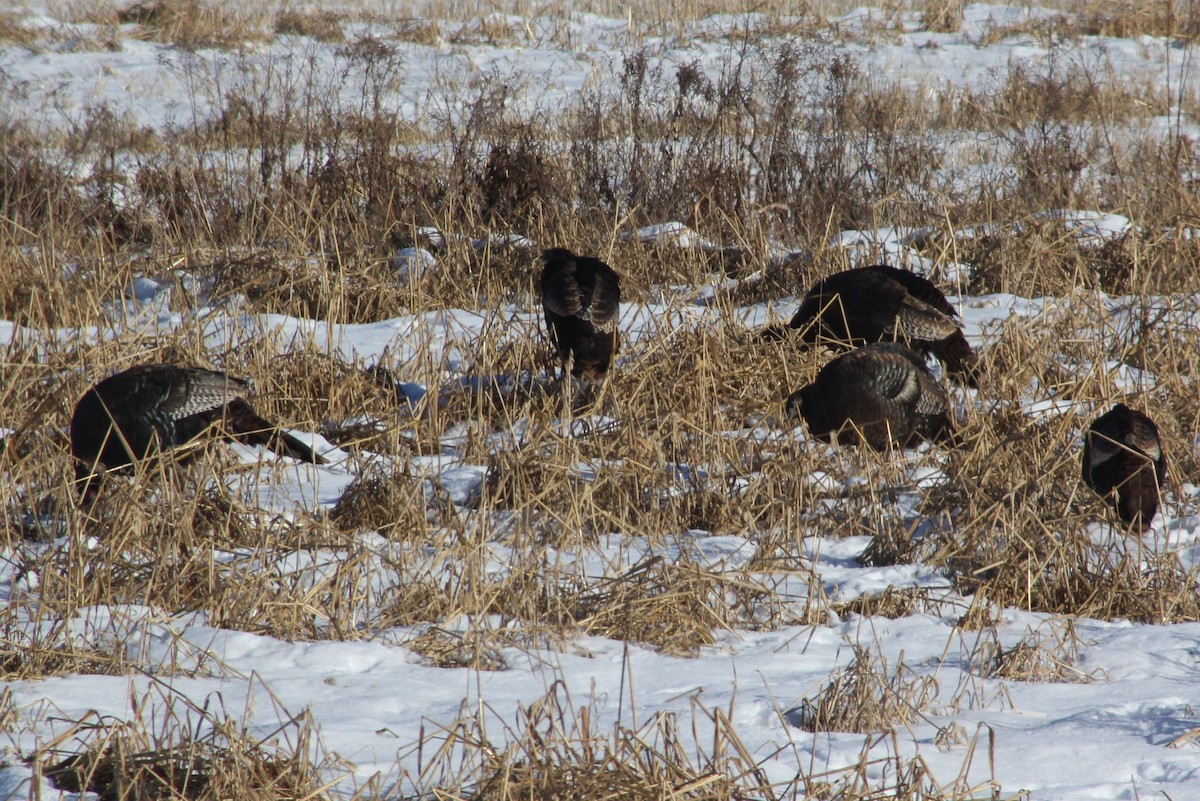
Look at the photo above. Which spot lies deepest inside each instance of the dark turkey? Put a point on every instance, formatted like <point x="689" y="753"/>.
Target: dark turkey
<point x="882" y="393"/>
<point x="1122" y="453"/>
<point x="881" y="303"/>
<point x="581" y="297"/>
<point x="144" y="410"/>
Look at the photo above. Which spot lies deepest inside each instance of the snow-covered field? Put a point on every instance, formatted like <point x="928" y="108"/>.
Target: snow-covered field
<point x="1114" y="716"/>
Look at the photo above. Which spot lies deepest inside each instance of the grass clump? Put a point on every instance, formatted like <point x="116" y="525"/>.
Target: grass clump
<point x="324" y="26"/>
<point x="211" y="757"/>
<point x="866" y="697"/>
<point x="1045" y="655"/>
<point x="556" y="749"/>
<point x="191" y="24"/>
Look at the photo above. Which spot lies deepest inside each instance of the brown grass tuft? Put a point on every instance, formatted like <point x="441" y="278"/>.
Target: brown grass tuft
<point x="393" y="505"/>
<point x="1048" y="654"/>
<point x="583" y="760"/>
<point x="14" y="31"/>
<point x="942" y="16"/>
<point x="324" y="26"/>
<point x="198" y="760"/>
<point x="866" y="697"/>
<point x="191" y="24"/>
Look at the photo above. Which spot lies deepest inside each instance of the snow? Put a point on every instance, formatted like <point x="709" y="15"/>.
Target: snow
<point x="370" y="697"/>
<point x="671" y="233"/>
<point x="1117" y="730"/>
<point x="412" y="263"/>
<point x="147" y="82"/>
<point x="1088" y="739"/>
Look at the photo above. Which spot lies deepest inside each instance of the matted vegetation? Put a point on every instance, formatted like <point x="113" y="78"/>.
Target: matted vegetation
<point x="286" y="200"/>
<point x="190" y="753"/>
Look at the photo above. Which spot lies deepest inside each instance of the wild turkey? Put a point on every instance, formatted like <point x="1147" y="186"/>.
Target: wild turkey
<point x="882" y="393"/>
<point x="138" y="412"/>
<point x="581" y="297"/>
<point x="881" y="303"/>
<point x="1122" y="452"/>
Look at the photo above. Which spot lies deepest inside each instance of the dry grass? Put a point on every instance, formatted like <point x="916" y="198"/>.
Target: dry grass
<point x="301" y="215"/>
<point x="201" y="23"/>
<point x="192" y="24"/>
<point x="324" y="26"/>
<point x="866" y="696"/>
<point x="555" y="749"/>
<point x="647" y="761"/>
<point x="1175" y="18"/>
<point x="14" y="31"/>
<point x="942" y="16"/>
<point x="1045" y="655"/>
<point x="197" y="754"/>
